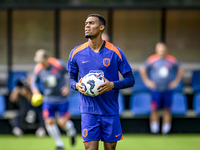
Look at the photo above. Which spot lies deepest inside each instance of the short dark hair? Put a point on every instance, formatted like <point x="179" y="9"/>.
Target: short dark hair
<point x="101" y="18"/>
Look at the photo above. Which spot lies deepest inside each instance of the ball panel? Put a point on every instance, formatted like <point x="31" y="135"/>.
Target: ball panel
<point x="91" y="82"/>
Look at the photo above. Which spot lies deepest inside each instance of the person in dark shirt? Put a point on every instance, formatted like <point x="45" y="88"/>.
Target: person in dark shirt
<point x="21" y="95"/>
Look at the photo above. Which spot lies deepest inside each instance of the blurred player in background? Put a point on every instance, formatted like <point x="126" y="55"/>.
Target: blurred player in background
<point x="105" y="37"/>
<point x="100" y="114"/>
<point x="52" y="74"/>
<point x="161" y="68"/>
<point x="21" y="95"/>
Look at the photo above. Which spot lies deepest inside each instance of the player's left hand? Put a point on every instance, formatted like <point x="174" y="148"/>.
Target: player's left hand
<point x="106" y="86"/>
<point x="64" y="90"/>
<point x="173" y="84"/>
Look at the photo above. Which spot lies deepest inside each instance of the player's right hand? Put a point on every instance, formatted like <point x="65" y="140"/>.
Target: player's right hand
<point x="80" y="88"/>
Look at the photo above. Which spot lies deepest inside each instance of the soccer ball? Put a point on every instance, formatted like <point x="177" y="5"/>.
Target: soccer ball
<point x="36" y="100"/>
<point x="91" y="81"/>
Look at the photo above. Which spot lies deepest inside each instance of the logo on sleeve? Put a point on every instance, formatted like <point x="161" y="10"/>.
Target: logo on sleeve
<point x="106" y="62"/>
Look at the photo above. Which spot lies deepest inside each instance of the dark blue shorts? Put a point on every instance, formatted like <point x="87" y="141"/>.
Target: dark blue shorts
<point x="161" y="100"/>
<point x="101" y="127"/>
<point x="49" y="109"/>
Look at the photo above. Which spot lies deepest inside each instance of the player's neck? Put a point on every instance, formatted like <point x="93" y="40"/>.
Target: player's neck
<point x="95" y="44"/>
<point x="46" y="64"/>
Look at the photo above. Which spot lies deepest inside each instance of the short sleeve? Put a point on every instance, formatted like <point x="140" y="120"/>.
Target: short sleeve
<point x="123" y="63"/>
<point x="72" y="64"/>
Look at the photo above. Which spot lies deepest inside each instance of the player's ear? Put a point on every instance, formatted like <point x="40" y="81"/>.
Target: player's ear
<point x="102" y="27"/>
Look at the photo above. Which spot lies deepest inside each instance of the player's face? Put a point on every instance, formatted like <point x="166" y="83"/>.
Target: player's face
<point x="161" y="50"/>
<point x="92" y="27"/>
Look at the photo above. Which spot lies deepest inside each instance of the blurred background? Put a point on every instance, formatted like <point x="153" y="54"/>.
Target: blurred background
<point x="133" y="25"/>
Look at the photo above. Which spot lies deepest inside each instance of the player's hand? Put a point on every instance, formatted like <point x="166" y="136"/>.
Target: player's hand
<point x="36" y="91"/>
<point x="64" y="90"/>
<point x="106" y="86"/>
<point x="173" y="84"/>
<point x="80" y="88"/>
<point x="150" y="84"/>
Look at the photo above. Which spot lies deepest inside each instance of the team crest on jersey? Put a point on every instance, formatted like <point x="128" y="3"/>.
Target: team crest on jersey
<point x="54" y="71"/>
<point x="85" y="132"/>
<point x="168" y="64"/>
<point x="106" y="62"/>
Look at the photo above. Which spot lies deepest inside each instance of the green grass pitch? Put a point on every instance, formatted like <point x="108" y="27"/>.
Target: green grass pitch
<point x="130" y="142"/>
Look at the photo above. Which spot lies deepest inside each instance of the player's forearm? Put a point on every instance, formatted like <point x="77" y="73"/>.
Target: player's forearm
<point x="14" y="94"/>
<point x="34" y="87"/>
<point x="35" y="91"/>
<point x="73" y="79"/>
<point x="67" y="84"/>
<point x="144" y="75"/>
<point x="128" y="81"/>
<point x="179" y="75"/>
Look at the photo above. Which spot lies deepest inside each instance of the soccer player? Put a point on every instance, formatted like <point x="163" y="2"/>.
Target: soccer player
<point x="164" y="75"/>
<point x="52" y="73"/>
<point x="105" y="37"/>
<point x="99" y="115"/>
